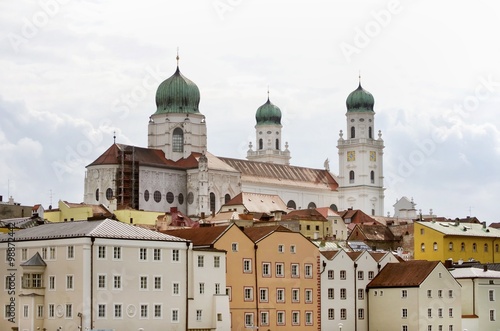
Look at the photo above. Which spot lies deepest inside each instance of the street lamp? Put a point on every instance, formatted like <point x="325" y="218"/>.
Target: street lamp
<point x="340" y="326"/>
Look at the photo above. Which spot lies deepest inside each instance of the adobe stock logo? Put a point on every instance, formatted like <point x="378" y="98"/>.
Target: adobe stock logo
<point x="363" y="37"/>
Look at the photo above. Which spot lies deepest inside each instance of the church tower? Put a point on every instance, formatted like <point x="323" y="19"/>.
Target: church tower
<point x="177" y="127"/>
<point x="268" y="136"/>
<point x="361" y="178"/>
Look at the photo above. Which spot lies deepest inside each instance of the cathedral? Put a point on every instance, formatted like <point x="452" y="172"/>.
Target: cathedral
<point x="177" y="171"/>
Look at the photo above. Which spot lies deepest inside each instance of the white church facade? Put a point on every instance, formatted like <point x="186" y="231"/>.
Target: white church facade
<point x="177" y="170"/>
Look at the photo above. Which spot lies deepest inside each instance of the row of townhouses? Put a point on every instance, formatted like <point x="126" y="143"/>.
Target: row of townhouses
<point x="109" y="275"/>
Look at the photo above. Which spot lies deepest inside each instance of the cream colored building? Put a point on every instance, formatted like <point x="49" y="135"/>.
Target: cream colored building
<point x="106" y="275"/>
<point x="414" y="296"/>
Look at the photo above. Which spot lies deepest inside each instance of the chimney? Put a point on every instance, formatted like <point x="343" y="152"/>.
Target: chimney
<point x="448" y="263"/>
<point x="202" y="215"/>
<point x="484" y="225"/>
<point x="173" y="210"/>
<point x="485" y="267"/>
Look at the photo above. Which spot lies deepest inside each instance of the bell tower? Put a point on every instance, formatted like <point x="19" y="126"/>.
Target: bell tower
<point x="360" y="151"/>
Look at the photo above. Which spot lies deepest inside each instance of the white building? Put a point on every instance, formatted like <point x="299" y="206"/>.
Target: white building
<point x="480" y="305"/>
<point x="103" y="275"/>
<point x="176" y="170"/>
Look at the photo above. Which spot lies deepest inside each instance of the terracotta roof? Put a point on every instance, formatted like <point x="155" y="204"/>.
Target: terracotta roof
<point x="257" y="202"/>
<point x="374" y="232"/>
<point x="329" y="254"/>
<point x="272" y="173"/>
<point x="356" y="216"/>
<point x="354" y="255"/>
<point x="327" y="212"/>
<point x="261" y="232"/>
<point x="304" y="215"/>
<point x="204" y="236"/>
<point x="409" y="274"/>
<point x="377" y="256"/>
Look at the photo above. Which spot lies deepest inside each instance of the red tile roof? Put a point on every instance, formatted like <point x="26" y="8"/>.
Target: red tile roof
<point x="204" y="236"/>
<point x="408" y="274"/>
<point x="329" y="254"/>
<point x="304" y="215"/>
<point x="261" y="232"/>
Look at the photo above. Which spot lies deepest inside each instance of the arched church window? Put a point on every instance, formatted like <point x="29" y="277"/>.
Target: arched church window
<point x="435" y="246"/>
<point x="157" y="196"/>
<point x="212" y="202"/>
<point x="97" y="195"/>
<point x="146" y="195"/>
<point x="170" y="197"/>
<point x="334" y="207"/>
<point x="353" y="132"/>
<point x="422" y="247"/>
<point x="180" y="198"/>
<point x="450" y="246"/>
<point x="311" y="205"/>
<point x="109" y="193"/>
<point x="474" y="247"/>
<point x="291" y="204"/>
<point x="277" y="144"/>
<point x="351" y="176"/>
<point x="178" y="140"/>
<point x="370" y="133"/>
<point x="227" y="198"/>
<point x="372" y="177"/>
<point x="190" y="198"/>
<point x="462" y="247"/>
<point x="261" y="144"/>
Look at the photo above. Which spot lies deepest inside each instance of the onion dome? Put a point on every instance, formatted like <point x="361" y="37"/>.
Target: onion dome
<point x="177" y="94"/>
<point x="268" y="113"/>
<point x="360" y="100"/>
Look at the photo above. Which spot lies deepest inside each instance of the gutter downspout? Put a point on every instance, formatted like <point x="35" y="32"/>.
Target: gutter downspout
<point x="92" y="240"/>
<point x="368" y="309"/>
<point x="257" y="292"/>
<point x="473" y="297"/>
<point x="355" y="296"/>
<point x="187" y="284"/>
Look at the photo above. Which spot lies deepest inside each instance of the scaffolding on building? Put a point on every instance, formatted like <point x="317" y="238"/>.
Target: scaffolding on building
<point x="127" y="179"/>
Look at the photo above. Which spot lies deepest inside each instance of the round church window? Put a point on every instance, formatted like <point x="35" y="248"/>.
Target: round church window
<point x="146" y="195"/>
<point x="180" y="198"/>
<point x="170" y="197"/>
<point x="157" y="196"/>
<point x="190" y="198"/>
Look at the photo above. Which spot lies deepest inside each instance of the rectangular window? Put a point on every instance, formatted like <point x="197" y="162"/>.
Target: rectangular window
<point x="175" y="255"/>
<point x="101" y="281"/>
<point x="371" y="274"/>
<point x="263" y="295"/>
<point x="117" y="253"/>
<point x="429" y="293"/>
<point x="157" y="254"/>
<point x="343" y="314"/>
<point x="26" y="311"/>
<point x="331" y="313"/>
<point x="247" y="265"/>
<point x="331" y="295"/>
<point x="440" y="293"/>
<point x="71" y="252"/>
<point x="157" y="282"/>
<point x="361" y="313"/>
<point x="101" y="311"/>
<point x="404" y="293"/>
<point x="361" y="275"/>
<point x="217" y="288"/>
<point x="175" y="315"/>
<point x="52" y="251"/>
<point x="249" y="320"/>
<point x="361" y="294"/>
<point x="201" y="261"/>
<point x="281" y="248"/>
<point x="342" y="274"/>
<point x="492" y="315"/>
<point x="52" y="310"/>
<point x="248" y="293"/>
<point x="404" y="313"/>
<point x="144" y="311"/>
<point x="44" y="253"/>
<point x="201" y="288"/>
<point x="294" y="270"/>
<point x="429" y="327"/>
<point x="101" y="252"/>
<point x="216" y="261"/>
<point x="69" y="310"/>
<point x="198" y="314"/>
<point x="157" y="309"/>
<point x="280" y="295"/>
<point x="234" y="247"/>
<point x="37" y="280"/>
<point x="117" y="282"/>
<point x="69" y="282"/>
<point x="264" y="318"/>
<point x="450" y="312"/>
<point x="175" y="288"/>
<point x="330" y="274"/>
<point x="404" y="328"/>
<point x="309" y="318"/>
<point x="450" y="328"/>
<point x="24" y="254"/>
<point x="143" y="254"/>
<point x="39" y="311"/>
<point x="280" y="318"/>
<point x="429" y="312"/>
<point x="266" y="269"/>
<point x="295" y="295"/>
<point x="491" y="295"/>
<point x="450" y="293"/>
<point x="117" y="311"/>
<point x="440" y="312"/>
<point x="293" y="249"/>
<point x="308" y="295"/>
<point x="343" y="294"/>
<point x="295" y="318"/>
<point x="143" y="282"/>
<point x="279" y="270"/>
<point x="308" y="270"/>
<point x="52" y="282"/>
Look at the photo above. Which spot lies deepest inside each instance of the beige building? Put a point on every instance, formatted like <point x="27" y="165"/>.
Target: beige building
<point x="414" y="295"/>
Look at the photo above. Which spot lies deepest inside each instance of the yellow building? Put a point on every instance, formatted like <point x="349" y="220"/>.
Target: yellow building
<point x="441" y="241"/>
<point x="312" y="224"/>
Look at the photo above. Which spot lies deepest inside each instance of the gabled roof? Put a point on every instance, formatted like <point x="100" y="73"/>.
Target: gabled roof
<point x="98" y="229"/>
<point x="374" y="232"/>
<point x="35" y="261"/>
<point x="261" y="232"/>
<point x="258" y="202"/>
<point x="327" y="212"/>
<point x="304" y="215"/>
<point x="378" y="256"/>
<point x="204" y="236"/>
<point x="409" y="274"/>
<point x="272" y="173"/>
<point x="354" y="255"/>
<point x="329" y="254"/>
<point x="356" y="216"/>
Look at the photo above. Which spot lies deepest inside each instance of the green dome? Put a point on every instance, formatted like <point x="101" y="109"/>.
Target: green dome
<point x="268" y="113"/>
<point x="177" y="94"/>
<point x="360" y="100"/>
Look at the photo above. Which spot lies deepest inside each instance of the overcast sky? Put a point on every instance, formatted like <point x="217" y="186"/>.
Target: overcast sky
<point x="74" y="71"/>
